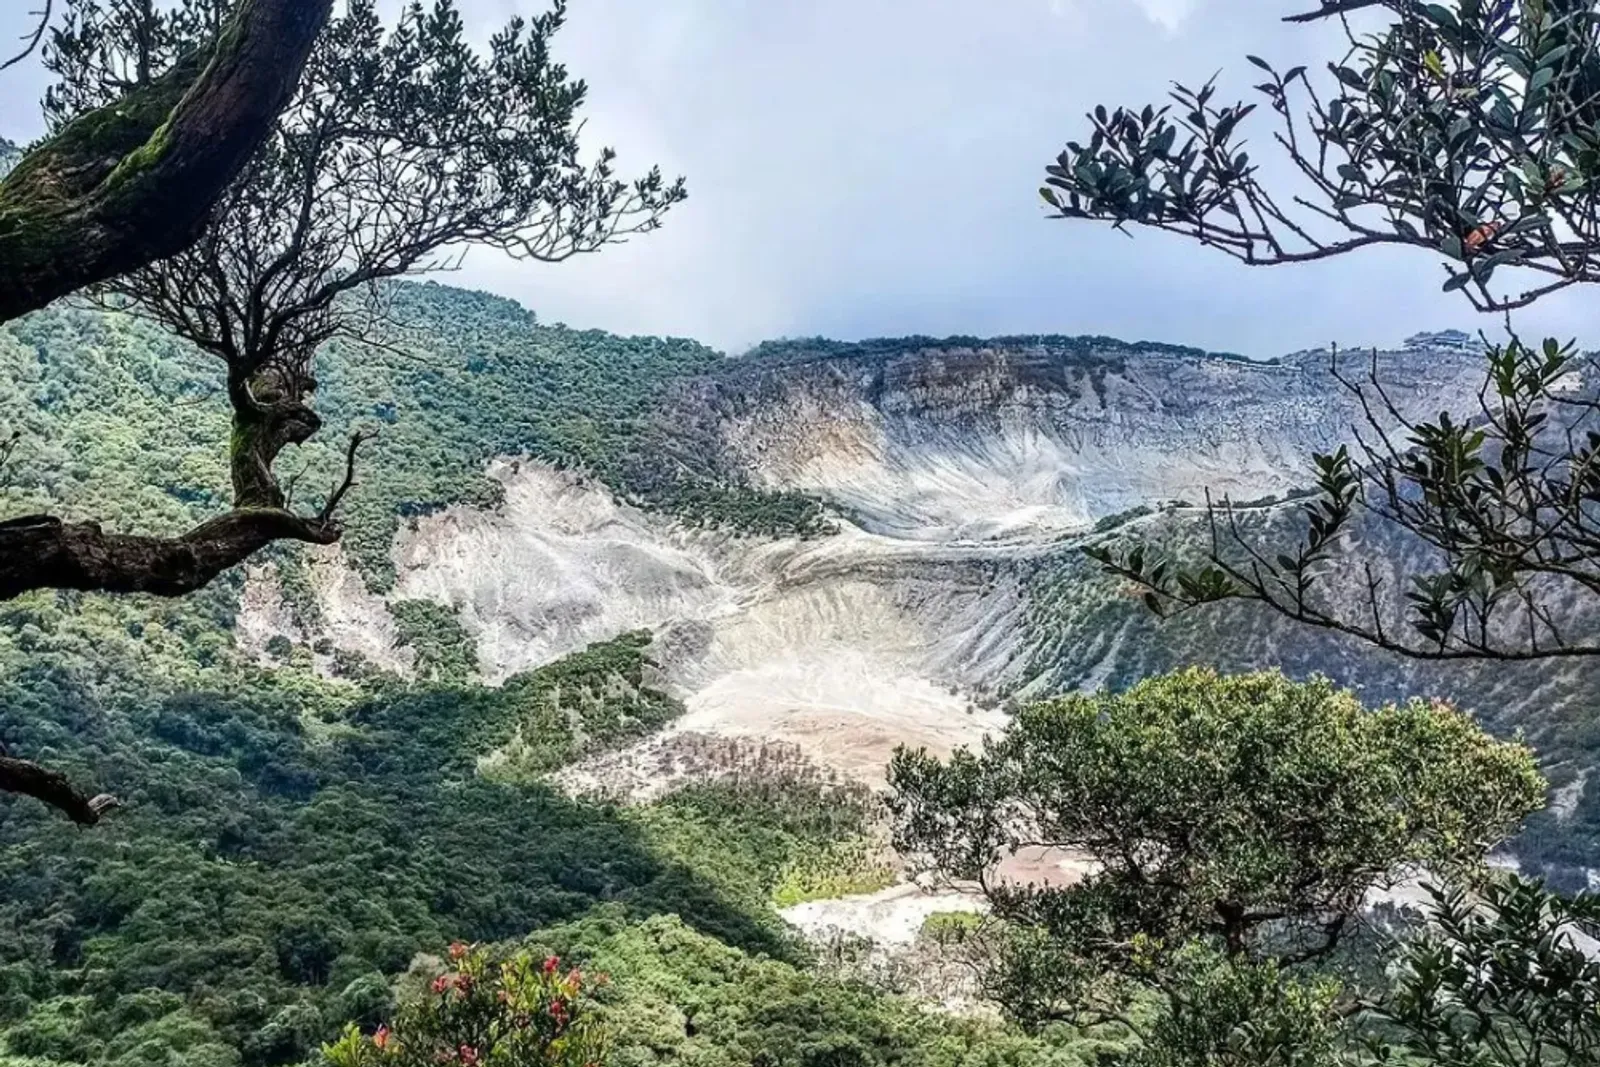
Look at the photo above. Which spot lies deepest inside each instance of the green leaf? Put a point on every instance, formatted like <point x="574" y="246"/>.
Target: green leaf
<point x="1442" y="16"/>
<point x="1348" y="77"/>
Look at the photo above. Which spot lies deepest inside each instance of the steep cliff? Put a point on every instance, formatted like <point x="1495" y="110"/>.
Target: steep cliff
<point x="967" y="439"/>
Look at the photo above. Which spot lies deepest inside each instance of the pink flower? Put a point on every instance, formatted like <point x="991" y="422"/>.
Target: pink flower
<point x="457" y="950"/>
<point x="441" y="983"/>
<point x="469" y="1055"/>
<point x="551" y="964"/>
<point x="380" y="1040"/>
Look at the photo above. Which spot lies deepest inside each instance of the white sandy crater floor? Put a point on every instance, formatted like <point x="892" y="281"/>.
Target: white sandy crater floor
<point x="844" y="647"/>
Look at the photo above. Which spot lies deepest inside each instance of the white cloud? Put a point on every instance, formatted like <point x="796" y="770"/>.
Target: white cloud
<point x="1169" y="14"/>
<point x="869" y="167"/>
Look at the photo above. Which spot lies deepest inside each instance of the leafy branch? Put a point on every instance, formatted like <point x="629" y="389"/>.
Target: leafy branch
<point x="1506" y="503"/>
<point x="1472" y="131"/>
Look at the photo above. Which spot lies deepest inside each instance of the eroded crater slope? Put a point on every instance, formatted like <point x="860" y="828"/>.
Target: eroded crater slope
<point x="960" y="473"/>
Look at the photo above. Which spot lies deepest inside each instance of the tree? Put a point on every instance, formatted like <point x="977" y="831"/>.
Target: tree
<point x="120" y="186"/>
<point x="1228" y="821"/>
<point x="487" y="1009"/>
<point x="1500" y="980"/>
<point x="395" y="152"/>
<point x="1471" y="130"/>
<point x="398" y="151"/>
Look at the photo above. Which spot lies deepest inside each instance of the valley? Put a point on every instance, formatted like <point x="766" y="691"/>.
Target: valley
<point x="621" y="630"/>
<point x="957" y="474"/>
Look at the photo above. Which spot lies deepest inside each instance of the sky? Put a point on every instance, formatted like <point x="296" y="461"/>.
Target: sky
<point x="865" y="168"/>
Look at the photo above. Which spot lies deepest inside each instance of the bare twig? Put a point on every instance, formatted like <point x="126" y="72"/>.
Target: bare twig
<point x="31" y="41"/>
<point x="357" y="439"/>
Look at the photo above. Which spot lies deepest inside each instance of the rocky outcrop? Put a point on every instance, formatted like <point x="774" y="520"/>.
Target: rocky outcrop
<point x="967" y="440"/>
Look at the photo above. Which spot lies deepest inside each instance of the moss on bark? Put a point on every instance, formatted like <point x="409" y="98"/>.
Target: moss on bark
<point x="134" y="181"/>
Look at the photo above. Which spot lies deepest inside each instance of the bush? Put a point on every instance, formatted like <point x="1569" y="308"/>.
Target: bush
<point x="514" y="1010"/>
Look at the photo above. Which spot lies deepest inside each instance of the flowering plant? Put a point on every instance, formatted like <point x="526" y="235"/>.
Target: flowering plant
<point x="517" y="1011"/>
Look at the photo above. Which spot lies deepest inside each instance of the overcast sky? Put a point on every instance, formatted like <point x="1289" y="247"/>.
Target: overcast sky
<point x="863" y="168"/>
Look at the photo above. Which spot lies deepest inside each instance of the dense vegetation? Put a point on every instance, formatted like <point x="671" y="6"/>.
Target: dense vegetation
<point x="1085" y="625"/>
<point x="1237" y="826"/>
<point x="291" y="843"/>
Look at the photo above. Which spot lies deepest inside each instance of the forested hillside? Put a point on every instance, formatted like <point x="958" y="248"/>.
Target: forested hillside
<point x="303" y="828"/>
<point x="290" y="843"/>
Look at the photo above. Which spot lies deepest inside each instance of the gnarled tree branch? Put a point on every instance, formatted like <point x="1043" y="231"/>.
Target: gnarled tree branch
<point x="53" y="788"/>
<point x="133" y="182"/>
<point x="42" y="552"/>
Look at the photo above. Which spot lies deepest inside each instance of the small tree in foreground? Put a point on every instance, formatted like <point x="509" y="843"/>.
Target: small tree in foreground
<point x="1238" y="822"/>
<point x="1470" y="130"/>
<point x="514" y="1010"/>
<point x="1499" y="980"/>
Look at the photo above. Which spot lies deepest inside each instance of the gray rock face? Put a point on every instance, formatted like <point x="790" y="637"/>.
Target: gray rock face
<point x="941" y="442"/>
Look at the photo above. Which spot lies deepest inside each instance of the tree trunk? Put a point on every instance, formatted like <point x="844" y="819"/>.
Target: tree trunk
<point x="260" y="433"/>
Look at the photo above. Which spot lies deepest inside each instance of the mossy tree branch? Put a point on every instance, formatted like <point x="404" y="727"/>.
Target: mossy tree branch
<point x="54" y="789"/>
<point x="43" y="552"/>
<point x="132" y="182"/>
